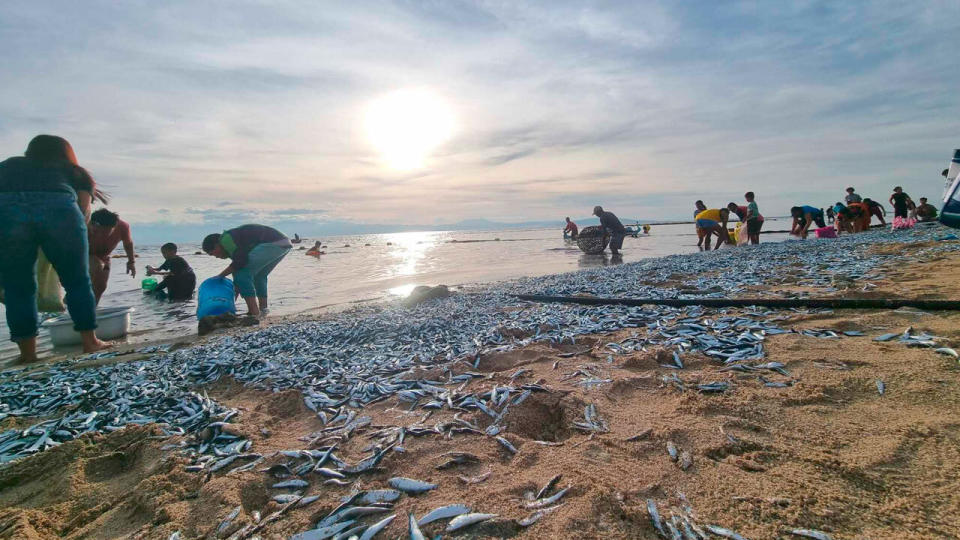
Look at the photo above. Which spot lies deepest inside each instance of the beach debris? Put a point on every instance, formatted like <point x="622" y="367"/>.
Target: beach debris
<point x="466" y="520"/>
<point x="225" y="524"/>
<point x="810" y="533"/>
<point x="409" y="485"/>
<point x="713" y="388"/>
<point x="672" y="451"/>
<point x="639" y="436"/>
<point x="374" y="529"/>
<point x="457" y="458"/>
<point x="475" y="479"/>
<point x="373" y="496"/>
<point x="686" y="460"/>
<point x="881" y="387"/>
<point x="548" y="487"/>
<point x="506" y="444"/>
<point x="444" y="512"/>
<point x="655" y="518"/>
<point x="541" y="503"/>
<point x="725" y="533"/>
<point x="593" y="422"/>
<point x="413" y="529"/>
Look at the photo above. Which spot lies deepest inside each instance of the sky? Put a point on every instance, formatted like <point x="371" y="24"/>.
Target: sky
<point x="203" y="115"/>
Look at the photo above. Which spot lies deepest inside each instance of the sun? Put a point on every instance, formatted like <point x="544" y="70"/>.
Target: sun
<point x="407" y="125"/>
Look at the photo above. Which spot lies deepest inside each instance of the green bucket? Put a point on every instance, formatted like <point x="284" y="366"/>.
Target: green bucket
<point x="148" y="284"/>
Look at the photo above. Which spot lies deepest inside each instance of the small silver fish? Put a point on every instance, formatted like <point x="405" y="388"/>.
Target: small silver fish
<point x="467" y="520"/>
<point x="810" y="533"/>
<point x="444" y="512"/>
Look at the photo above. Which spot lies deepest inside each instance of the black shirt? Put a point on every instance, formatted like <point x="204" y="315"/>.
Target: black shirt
<point x="176" y="265"/>
<point x="24" y="174"/>
<point x="900" y="200"/>
<point x="610" y="222"/>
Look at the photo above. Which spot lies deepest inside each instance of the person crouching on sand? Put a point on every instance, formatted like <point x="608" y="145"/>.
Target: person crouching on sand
<point x="254" y="251"/>
<point x="713" y="221"/>
<point x="179" y="279"/>
<point x="803" y="217"/>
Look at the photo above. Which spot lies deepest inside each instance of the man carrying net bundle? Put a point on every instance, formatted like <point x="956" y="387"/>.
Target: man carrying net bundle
<point x="610" y="225"/>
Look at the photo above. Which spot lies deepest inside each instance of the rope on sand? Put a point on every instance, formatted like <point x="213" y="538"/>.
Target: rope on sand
<point x="831" y="303"/>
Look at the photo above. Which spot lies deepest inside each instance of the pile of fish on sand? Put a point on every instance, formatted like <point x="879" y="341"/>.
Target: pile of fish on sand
<point x="372" y="353"/>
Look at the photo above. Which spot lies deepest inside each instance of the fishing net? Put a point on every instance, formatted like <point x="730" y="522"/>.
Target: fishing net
<point x="592" y="240"/>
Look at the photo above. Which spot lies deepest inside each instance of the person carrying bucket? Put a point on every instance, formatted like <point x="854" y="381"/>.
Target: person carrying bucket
<point x="254" y="251"/>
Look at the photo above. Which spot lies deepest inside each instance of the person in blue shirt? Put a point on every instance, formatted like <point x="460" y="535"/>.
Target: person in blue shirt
<point x="803" y="217"/>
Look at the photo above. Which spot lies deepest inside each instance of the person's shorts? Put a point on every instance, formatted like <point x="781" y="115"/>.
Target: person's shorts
<point x="900" y="212"/>
<point x="616" y="241"/>
<point x="707" y="224"/>
<point x="754" y="226"/>
<point x="818" y="219"/>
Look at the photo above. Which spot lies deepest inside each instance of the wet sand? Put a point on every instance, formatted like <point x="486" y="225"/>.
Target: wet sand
<point x="828" y="453"/>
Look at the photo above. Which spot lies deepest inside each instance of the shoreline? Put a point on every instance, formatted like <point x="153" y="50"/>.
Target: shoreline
<point x="771" y="459"/>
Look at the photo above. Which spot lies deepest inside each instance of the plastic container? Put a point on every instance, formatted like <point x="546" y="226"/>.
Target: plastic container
<point x="112" y="323"/>
<point x="826" y="232"/>
<point x="215" y="297"/>
<point x="148" y="284"/>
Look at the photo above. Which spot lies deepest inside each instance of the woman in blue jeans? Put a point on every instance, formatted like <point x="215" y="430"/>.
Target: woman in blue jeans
<point x="254" y="250"/>
<point x="45" y="197"/>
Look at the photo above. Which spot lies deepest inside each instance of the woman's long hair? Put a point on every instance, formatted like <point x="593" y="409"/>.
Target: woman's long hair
<point x="56" y="150"/>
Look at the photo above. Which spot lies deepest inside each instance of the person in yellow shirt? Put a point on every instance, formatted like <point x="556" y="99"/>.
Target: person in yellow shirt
<point x="713" y="221"/>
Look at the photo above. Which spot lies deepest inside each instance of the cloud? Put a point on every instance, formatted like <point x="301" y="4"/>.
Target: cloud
<point x="195" y="113"/>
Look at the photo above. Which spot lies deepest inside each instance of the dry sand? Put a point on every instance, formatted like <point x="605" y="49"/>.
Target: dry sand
<point x="828" y="453"/>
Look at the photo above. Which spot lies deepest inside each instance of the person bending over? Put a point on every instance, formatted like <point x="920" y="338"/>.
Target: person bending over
<point x="926" y="211"/>
<point x="876" y="209"/>
<point x="611" y="225"/>
<point x="713" y="221"/>
<point x="106" y="231"/>
<point x="179" y="279"/>
<point x="854" y="218"/>
<point x="803" y="217"/>
<point x="571" y="230"/>
<point x="254" y="251"/>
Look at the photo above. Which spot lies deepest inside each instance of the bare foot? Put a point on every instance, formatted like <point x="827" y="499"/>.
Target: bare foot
<point x="92" y="344"/>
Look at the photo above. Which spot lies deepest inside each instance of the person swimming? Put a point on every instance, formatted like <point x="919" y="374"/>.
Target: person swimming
<point x="315" y="250"/>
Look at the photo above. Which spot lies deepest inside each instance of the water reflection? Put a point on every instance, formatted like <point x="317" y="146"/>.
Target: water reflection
<point x="409" y="249"/>
<point x="588" y="260"/>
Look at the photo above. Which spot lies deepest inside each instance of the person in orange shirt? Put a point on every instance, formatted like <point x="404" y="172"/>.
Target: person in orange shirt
<point x="106" y="231"/>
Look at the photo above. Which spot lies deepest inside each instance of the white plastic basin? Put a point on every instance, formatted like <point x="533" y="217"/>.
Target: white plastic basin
<point x="112" y="322"/>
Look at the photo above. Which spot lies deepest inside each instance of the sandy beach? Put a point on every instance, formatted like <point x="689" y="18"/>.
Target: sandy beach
<point x="858" y="440"/>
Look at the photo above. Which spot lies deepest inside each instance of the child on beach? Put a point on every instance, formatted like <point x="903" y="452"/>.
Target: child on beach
<point x="179" y="279"/>
<point x="255" y="250"/>
<point x="753" y="218"/>
<point x="803" y="217"/>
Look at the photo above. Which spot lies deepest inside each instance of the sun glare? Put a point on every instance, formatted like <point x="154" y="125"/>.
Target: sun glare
<point x="406" y="126"/>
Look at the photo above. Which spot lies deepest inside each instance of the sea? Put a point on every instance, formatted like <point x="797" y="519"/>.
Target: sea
<point x="369" y="268"/>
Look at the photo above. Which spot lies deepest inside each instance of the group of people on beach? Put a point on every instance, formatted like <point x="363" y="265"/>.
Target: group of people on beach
<point x="712" y="222"/>
<point x="45" y="207"/>
<point x="855" y="213"/>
